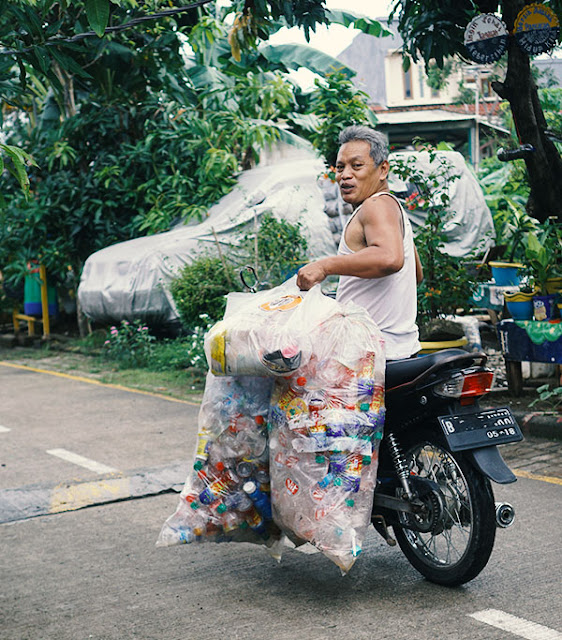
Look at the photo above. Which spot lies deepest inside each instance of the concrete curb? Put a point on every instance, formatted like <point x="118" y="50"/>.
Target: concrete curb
<point x="540" y="424"/>
<point x="40" y="500"/>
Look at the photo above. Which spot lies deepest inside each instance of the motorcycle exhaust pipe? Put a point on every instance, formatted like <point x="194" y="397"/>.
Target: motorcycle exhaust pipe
<point x="505" y="514"/>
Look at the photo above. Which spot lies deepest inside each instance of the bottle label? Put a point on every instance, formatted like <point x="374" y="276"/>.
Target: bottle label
<point x="292" y="486"/>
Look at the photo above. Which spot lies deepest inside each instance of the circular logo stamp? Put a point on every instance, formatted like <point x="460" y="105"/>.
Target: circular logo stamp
<point x="485" y="38"/>
<point x="536" y="29"/>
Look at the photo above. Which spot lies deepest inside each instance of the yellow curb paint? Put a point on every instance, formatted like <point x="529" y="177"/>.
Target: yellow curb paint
<point x="535" y="476"/>
<point x="72" y="497"/>
<point x="97" y="382"/>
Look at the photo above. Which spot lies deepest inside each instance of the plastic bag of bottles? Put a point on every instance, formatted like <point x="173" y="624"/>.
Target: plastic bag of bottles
<point x="326" y="423"/>
<point x="289" y="445"/>
<point x="227" y="495"/>
<point x="267" y="332"/>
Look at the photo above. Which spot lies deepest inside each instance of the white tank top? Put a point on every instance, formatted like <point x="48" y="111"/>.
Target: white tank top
<point x="391" y="300"/>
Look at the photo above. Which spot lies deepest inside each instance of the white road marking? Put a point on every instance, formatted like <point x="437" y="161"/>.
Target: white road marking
<point x="517" y="626"/>
<point x="81" y="461"/>
<point x="3" y="429"/>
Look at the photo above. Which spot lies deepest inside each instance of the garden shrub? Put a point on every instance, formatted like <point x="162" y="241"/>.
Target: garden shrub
<point x="281" y="249"/>
<point x="130" y="344"/>
<point x="201" y="287"/>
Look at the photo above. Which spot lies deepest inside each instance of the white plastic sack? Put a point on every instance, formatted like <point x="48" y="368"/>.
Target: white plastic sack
<point x="267" y="334"/>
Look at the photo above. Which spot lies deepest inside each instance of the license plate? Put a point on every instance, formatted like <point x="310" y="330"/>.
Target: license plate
<point x="484" y="429"/>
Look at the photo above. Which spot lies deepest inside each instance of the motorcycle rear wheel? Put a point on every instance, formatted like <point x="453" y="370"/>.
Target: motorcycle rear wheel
<point x="458" y="545"/>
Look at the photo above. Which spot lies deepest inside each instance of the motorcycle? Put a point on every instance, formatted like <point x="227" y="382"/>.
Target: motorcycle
<point x="438" y="455"/>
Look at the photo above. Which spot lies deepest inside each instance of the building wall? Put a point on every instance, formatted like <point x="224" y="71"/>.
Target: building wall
<point x="405" y="89"/>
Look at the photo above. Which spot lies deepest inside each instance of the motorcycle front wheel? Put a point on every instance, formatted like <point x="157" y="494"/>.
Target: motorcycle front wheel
<point x="451" y="540"/>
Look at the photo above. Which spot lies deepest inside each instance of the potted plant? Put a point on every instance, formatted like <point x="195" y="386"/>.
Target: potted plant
<point x="520" y="303"/>
<point x="543" y="256"/>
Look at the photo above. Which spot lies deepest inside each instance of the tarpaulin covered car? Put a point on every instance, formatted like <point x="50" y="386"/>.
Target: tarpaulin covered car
<point x="130" y="280"/>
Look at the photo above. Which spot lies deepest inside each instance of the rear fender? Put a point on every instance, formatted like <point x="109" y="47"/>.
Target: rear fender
<point x="489" y="462"/>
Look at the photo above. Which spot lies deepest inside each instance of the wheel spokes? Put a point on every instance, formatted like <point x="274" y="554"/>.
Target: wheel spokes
<point x="449" y="545"/>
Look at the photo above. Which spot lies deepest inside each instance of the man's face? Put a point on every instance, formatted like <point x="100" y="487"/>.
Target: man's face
<point x="356" y="173"/>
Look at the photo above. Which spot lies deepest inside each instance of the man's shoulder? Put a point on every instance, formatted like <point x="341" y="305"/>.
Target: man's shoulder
<point x="381" y="202"/>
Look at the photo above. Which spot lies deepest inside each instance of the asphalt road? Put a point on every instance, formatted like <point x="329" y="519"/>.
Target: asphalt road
<point x="73" y="573"/>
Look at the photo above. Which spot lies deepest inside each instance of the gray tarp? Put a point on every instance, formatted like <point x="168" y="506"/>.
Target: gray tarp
<point x="130" y="280"/>
<point x="470" y="226"/>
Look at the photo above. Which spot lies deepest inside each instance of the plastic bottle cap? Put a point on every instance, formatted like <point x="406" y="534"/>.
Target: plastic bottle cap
<point x="301" y="381"/>
<point x="338" y="482"/>
<point x="364" y="406"/>
<point x="350" y="502"/>
<point x="219" y="466"/>
<point x="259" y="420"/>
<point x="320" y="459"/>
<point x="198" y="465"/>
<point x="194" y="505"/>
<point x="249" y="487"/>
<point x="221" y="508"/>
<point x="366" y="460"/>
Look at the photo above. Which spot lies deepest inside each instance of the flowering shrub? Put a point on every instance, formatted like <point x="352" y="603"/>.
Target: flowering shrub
<point x="195" y="349"/>
<point x="130" y="344"/>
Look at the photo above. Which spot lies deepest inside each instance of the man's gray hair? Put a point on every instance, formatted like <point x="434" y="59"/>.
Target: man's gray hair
<point x="377" y="141"/>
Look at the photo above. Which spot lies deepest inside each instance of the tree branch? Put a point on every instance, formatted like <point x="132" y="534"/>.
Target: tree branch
<point x="53" y="42"/>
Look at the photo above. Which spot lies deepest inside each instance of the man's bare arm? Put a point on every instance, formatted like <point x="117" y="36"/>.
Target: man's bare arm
<point x="419" y="268"/>
<point x="382" y="256"/>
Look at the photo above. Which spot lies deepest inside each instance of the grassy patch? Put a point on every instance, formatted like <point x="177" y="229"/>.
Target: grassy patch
<point x="186" y="384"/>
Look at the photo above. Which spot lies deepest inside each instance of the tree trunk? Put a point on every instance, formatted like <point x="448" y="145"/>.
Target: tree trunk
<point x="544" y="165"/>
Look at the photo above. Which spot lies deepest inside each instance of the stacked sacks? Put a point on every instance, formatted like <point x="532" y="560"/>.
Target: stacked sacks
<point x="302" y="402"/>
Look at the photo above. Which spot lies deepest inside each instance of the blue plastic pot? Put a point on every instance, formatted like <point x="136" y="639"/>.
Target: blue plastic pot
<point x="520" y="310"/>
<point x="506" y="274"/>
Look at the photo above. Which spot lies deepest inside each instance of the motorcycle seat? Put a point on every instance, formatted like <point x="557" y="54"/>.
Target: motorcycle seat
<point x="399" y="372"/>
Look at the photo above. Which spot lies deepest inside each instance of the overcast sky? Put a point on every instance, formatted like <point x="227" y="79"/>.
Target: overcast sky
<point x="335" y="38"/>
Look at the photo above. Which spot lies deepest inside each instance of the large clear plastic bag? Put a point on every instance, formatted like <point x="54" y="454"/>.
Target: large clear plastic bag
<point x="288" y="445"/>
<point x="266" y="333"/>
<point x="326" y="424"/>
<point x="226" y="496"/>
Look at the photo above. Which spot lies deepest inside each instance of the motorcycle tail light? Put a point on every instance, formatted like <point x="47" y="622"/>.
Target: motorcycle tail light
<point x="467" y="387"/>
<point x="475" y="385"/>
<point x="450" y="388"/>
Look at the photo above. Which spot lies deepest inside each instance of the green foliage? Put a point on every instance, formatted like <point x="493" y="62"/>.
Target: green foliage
<point x="129" y="345"/>
<point x="337" y="104"/>
<point x="551" y="396"/>
<point x="543" y="253"/>
<point x="195" y="351"/>
<point x="446" y="286"/>
<point x="17" y="162"/>
<point x="181" y="353"/>
<point x="201" y="287"/>
<point x="276" y="251"/>
<point x="437" y="78"/>
<point x="506" y="190"/>
<point x="281" y="250"/>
